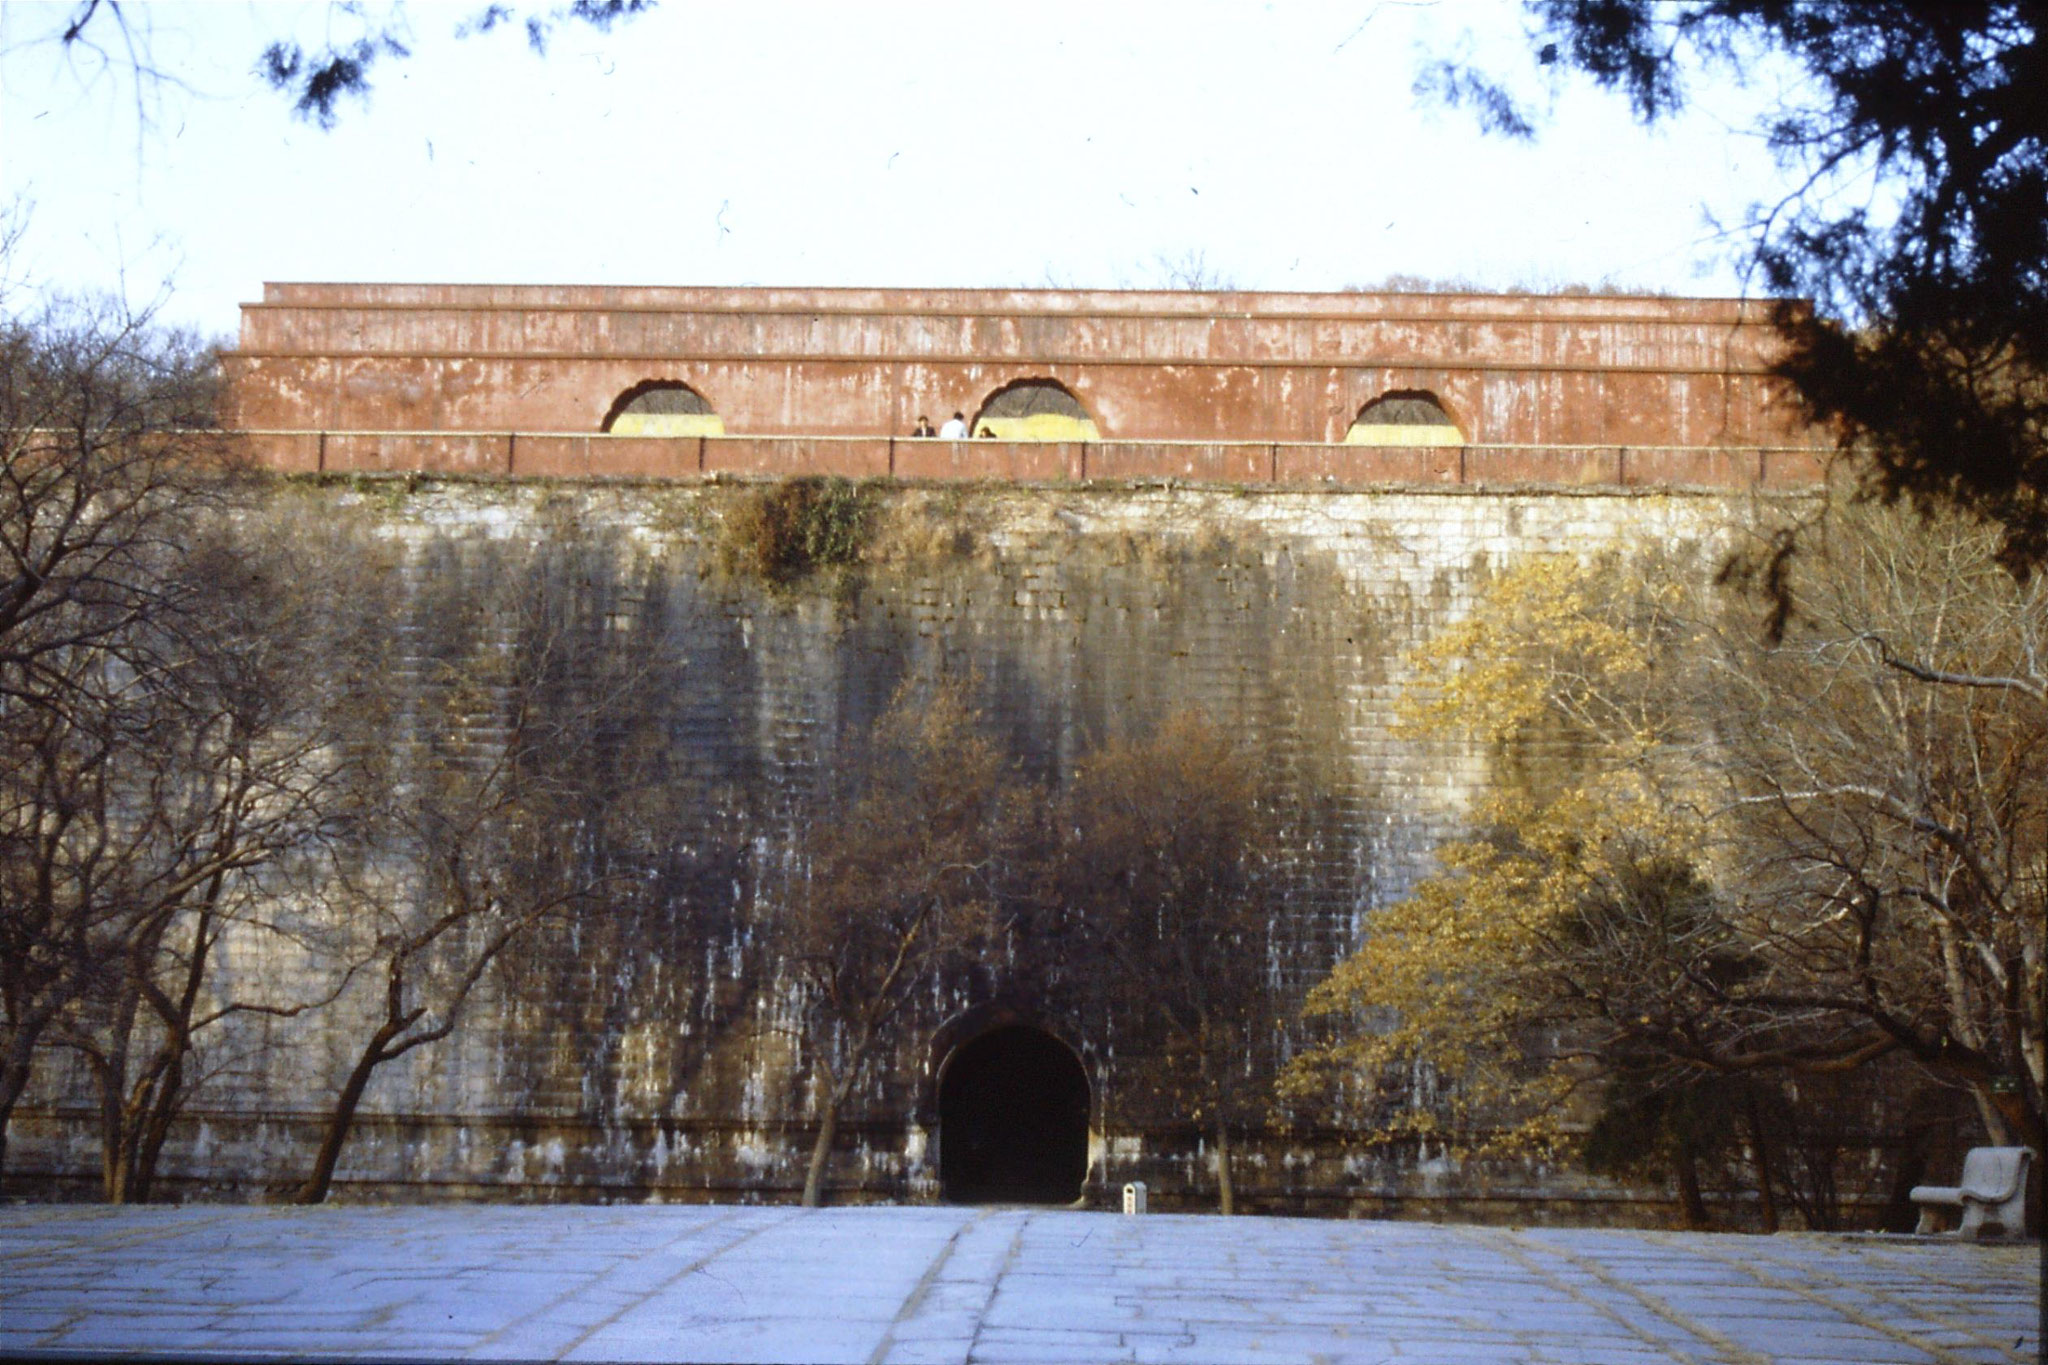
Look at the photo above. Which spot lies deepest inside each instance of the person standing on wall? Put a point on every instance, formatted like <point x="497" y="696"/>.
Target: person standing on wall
<point x="955" y="428"/>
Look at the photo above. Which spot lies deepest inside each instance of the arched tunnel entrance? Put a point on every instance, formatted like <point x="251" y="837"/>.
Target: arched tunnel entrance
<point x="1013" y="1120"/>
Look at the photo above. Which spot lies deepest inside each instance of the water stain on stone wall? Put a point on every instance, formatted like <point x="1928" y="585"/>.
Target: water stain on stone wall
<point x="639" y="1048"/>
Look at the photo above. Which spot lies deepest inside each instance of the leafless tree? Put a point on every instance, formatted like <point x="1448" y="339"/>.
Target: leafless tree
<point x="117" y="39"/>
<point x="238" y="771"/>
<point x="1170" y="870"/>
<point x="109" y="487"/>
<point x="109" y="472"/>
<point x="1190" y="270"/>
<point x="1882" y="769"/>
<point x="478" y="824"/>
<point x="907" y="865"/>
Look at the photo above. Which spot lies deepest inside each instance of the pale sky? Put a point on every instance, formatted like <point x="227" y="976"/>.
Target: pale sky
<point x="857" y="144"/>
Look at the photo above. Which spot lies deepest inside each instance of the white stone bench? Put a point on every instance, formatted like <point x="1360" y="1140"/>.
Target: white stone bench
<point x="1994" y="1190"/>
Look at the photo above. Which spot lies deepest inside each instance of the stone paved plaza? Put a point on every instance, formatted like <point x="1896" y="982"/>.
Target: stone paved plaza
<point x="962" y="1284"/>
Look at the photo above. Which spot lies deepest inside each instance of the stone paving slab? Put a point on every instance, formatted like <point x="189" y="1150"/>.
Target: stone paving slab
<point x="945" y="1286"/>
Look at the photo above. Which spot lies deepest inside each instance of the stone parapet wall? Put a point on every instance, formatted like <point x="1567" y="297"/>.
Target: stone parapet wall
<point x="520" y="454"/>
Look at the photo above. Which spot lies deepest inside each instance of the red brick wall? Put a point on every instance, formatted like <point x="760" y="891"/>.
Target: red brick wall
<point x="1184" y="367"/>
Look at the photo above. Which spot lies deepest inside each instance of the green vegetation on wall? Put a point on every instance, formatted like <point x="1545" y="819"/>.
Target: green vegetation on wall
<point x="786" y="532"/>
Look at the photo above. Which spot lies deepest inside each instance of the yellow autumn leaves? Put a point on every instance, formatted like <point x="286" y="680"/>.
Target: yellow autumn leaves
<point x="1462" y="990"/>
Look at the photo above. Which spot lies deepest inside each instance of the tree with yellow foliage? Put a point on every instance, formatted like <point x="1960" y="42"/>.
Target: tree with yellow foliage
<point x="1565" y="922"/>
<point x="1713" y="856"/>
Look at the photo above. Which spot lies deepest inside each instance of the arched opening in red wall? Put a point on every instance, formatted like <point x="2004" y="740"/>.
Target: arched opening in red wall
<point x="662" y="407"/>
<point x="1013" y="1119"/>
<point x="1034" y="410"/>
<point x="1404" y="417"/>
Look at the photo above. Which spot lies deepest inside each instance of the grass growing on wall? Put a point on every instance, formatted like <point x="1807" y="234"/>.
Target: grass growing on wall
<point x="786" y="532"/>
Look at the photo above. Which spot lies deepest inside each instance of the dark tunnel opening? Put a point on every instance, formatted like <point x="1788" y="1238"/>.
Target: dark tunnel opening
<point x="1013" y="1120"/>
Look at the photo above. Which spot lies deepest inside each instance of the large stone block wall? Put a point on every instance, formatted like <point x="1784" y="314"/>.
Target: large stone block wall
<point x="639" y="1060"/>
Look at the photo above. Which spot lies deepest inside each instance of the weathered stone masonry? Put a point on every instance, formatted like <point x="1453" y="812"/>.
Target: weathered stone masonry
<point x="1213" y="526"/>
<point x="599" y="1072"/>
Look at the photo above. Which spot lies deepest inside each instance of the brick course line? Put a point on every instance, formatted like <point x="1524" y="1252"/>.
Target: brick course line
<point x="1310" y="360"/>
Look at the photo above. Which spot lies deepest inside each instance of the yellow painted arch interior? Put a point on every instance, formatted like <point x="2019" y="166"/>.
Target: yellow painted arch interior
<point x="1395" y="434"/>
<point x="1039" y="426"/>
<point x="668" y="424"/>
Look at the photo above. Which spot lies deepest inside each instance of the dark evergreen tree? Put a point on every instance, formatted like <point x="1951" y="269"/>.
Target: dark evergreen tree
<point x="1927" y="346"/>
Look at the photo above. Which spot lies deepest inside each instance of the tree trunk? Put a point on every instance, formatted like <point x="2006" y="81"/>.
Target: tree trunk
<point x="112" y="1071"/>
<point x="14" y="1074"/>
<point x="112" y="1166"/>
<point x="1994" y="1122"/>
<point x="1760" y="1154"/>
<point x="314" y="1190"/>
<point x="1226" y="1196"/>
<point x="156" y="1128"/>
<point x="167" y="1098"/>
<point x="1694" y="1207"/>
<point x="821" y="1150"/>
